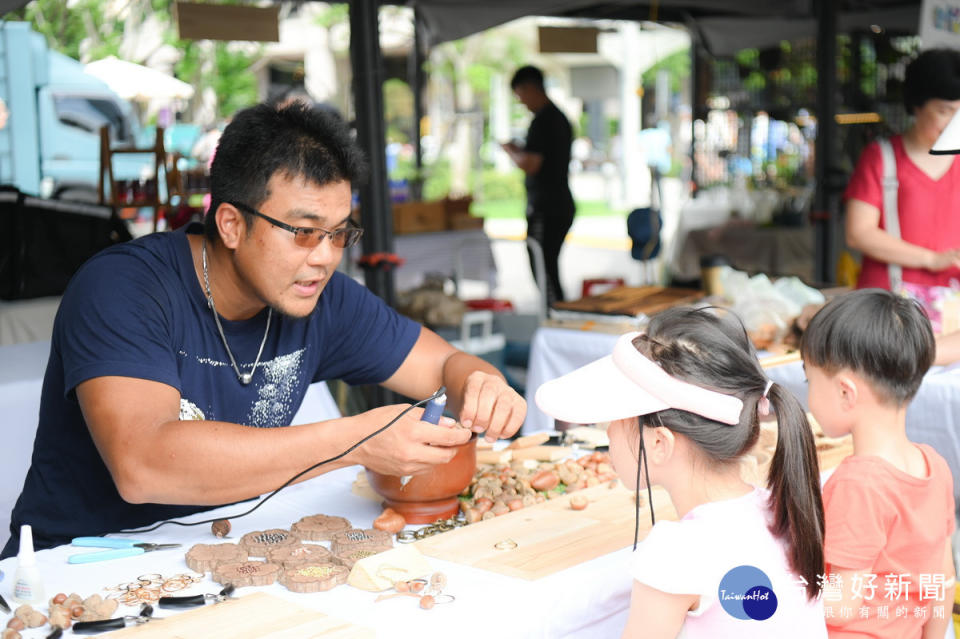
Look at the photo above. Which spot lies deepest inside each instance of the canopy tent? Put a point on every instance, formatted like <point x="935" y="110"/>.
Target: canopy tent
<point x="136" y="82"/>
<point x="719" y="26"/>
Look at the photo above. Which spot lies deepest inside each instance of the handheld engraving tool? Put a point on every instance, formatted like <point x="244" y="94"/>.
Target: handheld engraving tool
<point x="431" y="415"/>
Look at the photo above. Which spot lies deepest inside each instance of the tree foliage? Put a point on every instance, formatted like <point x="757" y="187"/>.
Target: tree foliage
<point x="89" y="30"/>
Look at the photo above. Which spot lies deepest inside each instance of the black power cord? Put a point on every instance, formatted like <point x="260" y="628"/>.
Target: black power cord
<point x="176" y="522"/>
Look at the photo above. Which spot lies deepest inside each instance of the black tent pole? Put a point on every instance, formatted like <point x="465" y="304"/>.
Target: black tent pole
<point x="825" y="219"/>
<point x="375" y="212"/>
<point x="417" y="78"/>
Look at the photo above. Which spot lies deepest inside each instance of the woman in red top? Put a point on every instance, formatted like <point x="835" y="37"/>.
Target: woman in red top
<point x="929" y="193"/>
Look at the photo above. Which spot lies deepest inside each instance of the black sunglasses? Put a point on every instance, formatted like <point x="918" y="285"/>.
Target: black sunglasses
<point x="310" y="236"/>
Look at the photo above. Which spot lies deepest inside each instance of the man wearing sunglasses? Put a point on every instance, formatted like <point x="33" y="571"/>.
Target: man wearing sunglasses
<point x="176" y="357"/>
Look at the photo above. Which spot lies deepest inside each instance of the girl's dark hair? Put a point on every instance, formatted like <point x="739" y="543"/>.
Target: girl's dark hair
<point x="713" y="351"/>
<point x="884" y="337"/>
<point x="934" y="74"/>
<point x="296" y="139"/>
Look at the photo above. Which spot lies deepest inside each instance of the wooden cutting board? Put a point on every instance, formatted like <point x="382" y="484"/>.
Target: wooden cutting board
<point x="631" y="300"/>
<point x="255" y="616"/>
<point x="550" y="537"/>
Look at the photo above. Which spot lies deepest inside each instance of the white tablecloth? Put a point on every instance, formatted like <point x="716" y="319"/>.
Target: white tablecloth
<point x="30" y="320"/>
<point x="22" y="367"/>
<point x="555" y="352"/>
<point x="933" y="417"/>
<point x="589" y="600"/>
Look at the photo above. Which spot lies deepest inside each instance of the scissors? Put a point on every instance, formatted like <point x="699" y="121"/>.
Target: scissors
<point x="121" y="548"/>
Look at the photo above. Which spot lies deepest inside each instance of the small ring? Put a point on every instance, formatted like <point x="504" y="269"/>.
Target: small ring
<point x="153" y="576"/>
<point x="443" y="599"/>
<point x="506" y="544"/>
<point x="406" y="536"/>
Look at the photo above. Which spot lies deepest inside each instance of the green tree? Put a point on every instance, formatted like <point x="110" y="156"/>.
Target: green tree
<point x="85" y="30"/>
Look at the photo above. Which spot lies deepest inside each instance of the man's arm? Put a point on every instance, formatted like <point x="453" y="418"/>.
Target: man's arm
<point x="477" y="392"/>
<point x="154" y="457"/>
<point x="527" y="161"/>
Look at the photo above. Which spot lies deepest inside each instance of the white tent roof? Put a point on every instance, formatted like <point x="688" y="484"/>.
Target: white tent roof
<point x="137" y="82"/>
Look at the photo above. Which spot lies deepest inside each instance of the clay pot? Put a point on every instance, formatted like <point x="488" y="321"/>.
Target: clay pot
<point x="432" y="495"/>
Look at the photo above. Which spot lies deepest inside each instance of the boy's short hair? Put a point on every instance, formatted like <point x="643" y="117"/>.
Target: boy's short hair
<point x="884" y="337"/>
<point x="934" y="74"/>
<point x="528" y="75"/>
<point x="294" y="139"/>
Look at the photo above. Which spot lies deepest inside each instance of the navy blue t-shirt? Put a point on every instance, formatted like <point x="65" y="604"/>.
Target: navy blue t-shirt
<point x="138" y="310"/>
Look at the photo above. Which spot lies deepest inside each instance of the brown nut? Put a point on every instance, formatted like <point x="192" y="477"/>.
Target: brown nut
<point x="16" y="623"/>
<point x="221" y="528"/>
<point x="426" y="602"/>
<point x="545" y="480"/>
<point x="77" y="611"/>
<point x="59" y="598"/>
<point x="578" y="502"/>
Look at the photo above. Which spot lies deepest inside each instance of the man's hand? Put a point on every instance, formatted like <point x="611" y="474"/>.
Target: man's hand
<point x="409" y="446"/>
<point x="490" y="405"/>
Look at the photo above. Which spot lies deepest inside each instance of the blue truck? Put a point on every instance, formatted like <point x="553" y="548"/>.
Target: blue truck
<point x="51" y="144"/>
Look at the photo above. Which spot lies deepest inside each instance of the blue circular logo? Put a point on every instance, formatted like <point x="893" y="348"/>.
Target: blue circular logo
<point x="747" y="593"/>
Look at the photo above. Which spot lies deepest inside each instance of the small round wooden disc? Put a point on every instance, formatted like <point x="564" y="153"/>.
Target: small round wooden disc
<point x="246" y="573"/>
<point x="259" y="542"/>
<point x="206" y="557"/>
<point x="314" y="577"/>
<point x="320" y="527"/>
<point x="290" y="556"/>
<point x="351" y="556"/>
<point x="346" y="540"/>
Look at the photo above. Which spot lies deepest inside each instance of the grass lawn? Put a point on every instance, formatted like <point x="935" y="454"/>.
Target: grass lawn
<point x="505" y="209"/>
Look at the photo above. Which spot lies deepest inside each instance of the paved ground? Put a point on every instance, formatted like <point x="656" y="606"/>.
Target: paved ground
<point x="596" y="247"/>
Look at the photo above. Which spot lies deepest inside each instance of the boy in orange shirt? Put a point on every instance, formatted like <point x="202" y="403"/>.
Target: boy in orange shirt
<point x="889" y="507"/>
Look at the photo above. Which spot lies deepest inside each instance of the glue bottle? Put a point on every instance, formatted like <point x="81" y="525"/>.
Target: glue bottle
<point x="27" y="583"/>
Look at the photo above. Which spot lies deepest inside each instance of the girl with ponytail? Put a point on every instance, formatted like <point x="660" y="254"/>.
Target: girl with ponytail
<point x="685" y="400"/>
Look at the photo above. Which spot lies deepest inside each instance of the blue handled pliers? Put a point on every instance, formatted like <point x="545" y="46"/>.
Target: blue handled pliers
<point x="120" y="548"/>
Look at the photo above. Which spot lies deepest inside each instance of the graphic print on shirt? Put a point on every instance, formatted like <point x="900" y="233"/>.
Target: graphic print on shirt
<point x="281" y="377"/>
<point x="190" y="411"/>
<point x="276" y="381"/>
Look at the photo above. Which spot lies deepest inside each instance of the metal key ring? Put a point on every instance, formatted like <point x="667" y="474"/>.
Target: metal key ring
<point x="443" y="599"/>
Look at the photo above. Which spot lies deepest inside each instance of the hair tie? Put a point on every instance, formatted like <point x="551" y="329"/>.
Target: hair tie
<point x="763" y="406"/>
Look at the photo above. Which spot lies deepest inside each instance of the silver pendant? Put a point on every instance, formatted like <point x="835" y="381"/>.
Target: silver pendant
<point x="246" y="378"/>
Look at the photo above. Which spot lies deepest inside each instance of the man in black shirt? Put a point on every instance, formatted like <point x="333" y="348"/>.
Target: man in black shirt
<point x="545" y="159"/>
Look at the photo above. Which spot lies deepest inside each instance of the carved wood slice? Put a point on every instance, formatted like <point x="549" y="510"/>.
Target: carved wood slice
<point x="205" y="557"/>
<point x="314" y="577"/>
<point x="291" y="556"/>
<point x="259" y="542"/>
<point x="351" y="556"/>
<point x="320" y="527"/>
<point x="347" y="540"/>
<point x="246" y="573"/>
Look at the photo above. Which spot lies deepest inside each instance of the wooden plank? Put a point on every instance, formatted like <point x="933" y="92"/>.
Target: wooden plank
<point x="779" y="360"/>
<point x="255" y="616"/>
<point x="197" y="21"/>
<point x="631" y="300"/>
<point x="550" y="537"/>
